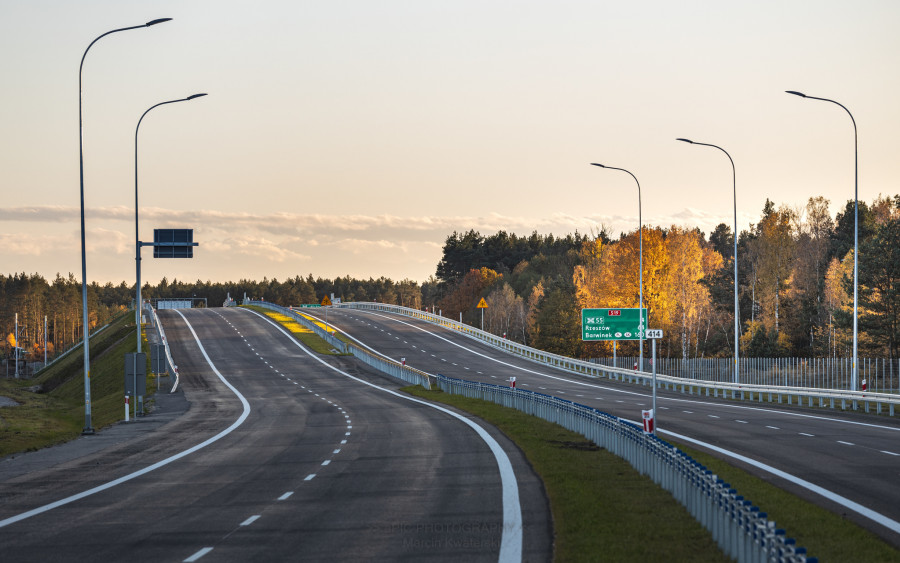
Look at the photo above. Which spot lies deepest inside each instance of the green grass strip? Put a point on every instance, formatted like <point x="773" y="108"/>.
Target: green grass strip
<point x="603" y="509"/>
<point x="824" y="534"/>
<point x="57" y="414"/>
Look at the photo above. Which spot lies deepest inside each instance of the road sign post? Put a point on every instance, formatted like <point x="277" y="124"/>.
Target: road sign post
<point x="653" y="334"/>
<point x="482" y="305"/>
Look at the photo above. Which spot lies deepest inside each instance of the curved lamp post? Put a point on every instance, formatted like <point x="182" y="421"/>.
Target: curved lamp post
<point x="853" y="368"/>
<point x="138" y="304"/>
<point x="737" y="322"/>
<point x="640" y="266"/>
<point x="137" y="243"/>
<point x="88" y="429"/>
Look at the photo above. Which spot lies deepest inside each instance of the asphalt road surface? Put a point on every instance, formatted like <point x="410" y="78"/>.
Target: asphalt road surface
<point x="849" y="455"/>
<point x="268" y="454"/>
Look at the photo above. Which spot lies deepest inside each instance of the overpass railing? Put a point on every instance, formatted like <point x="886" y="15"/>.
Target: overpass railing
<point x="810" y="396"/>
<point x="742" y="531"/>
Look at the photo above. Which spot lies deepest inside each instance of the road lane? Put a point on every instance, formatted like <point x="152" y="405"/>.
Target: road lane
<point x="323" y="468"/>
<point x="813" y="444"/>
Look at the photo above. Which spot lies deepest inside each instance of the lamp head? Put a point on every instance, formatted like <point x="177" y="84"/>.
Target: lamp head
<point x="195" y="96"/>
<point x="595" y="164"/>
<point x="154" y="22"/>
<point x="685" y="140"/>
<point x="801" y="94"/>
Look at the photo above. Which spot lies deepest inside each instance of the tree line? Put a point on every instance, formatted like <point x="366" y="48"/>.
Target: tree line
<point x="795" y="291"/>
<point x="795" y="284"/>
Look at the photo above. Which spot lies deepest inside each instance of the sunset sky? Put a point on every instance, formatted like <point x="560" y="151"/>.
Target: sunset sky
<point x="351" y="138"/>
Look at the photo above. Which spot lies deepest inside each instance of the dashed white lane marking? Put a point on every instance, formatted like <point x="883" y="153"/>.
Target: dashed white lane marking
<point x="337" y="451"/>
<point x="888" y="453"/>
<point x="286" y="495"/>
<point x="326" y="462"/>
<point x="198" y="555"/>
<point x="742" y="421"/>
<point x="343" y="441"/>
<point x="511" y="538"/>
<point x="250" y="520"/>
<point x="710" y="415"/>
<point x="346" y="434"/>
<point x="846" y="443"/>
<point x="773" y="427"/>
<point x="310" y="477"/>
<point x="805" y="434"/>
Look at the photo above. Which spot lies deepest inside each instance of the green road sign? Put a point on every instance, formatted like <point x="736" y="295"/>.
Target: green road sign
<point x="612" y="324"/>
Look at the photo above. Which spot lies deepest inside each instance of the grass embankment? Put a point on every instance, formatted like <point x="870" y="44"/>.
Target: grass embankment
<point x="823" y="533"/>
<point x="300" y="332"/>
<point x="57" y="414"/>
<point x="604" y="510"/>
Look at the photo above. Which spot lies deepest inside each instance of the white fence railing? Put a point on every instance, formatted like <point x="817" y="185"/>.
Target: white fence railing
<point x="739" y="528"/>
<point x="744" y="391"/>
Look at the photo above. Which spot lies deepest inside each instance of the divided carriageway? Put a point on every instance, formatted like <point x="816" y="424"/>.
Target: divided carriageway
<point x="847" y="462"/>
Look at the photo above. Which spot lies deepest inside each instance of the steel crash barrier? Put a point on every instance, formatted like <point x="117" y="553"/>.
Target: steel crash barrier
<point x="809" y="396"/>
<point x="742" y="531"/>
<point x="161" y="332"/>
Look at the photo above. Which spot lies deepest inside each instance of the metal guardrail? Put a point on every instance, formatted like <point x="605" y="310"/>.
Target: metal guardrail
<point x="162" y="338"/>
<point x="742" y="391"/>
<point x="739" y="528"/>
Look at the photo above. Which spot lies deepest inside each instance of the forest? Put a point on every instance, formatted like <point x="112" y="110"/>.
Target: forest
<point x="795" y="290"/>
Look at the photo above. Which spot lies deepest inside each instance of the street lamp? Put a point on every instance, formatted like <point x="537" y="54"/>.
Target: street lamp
<point x="737" y="321"/>
<point x="88" y="429"/>
<point x="137" y="243"/>
<point x="853" y="368"/>
<point x="640" y="267"/>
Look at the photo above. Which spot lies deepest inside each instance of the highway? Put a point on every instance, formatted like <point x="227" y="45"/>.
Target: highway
<point x="270" y="454"/>
<point x="847" y="462"/>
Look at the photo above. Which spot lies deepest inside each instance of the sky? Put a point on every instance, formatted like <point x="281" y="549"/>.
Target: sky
<point x="351" y="138"/>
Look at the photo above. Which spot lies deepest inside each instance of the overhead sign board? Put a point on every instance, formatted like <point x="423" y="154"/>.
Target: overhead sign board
<point x="612" y="324"/>
<point x="173" y="243"/>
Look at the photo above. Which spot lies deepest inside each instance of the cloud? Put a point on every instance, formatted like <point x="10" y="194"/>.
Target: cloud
<point x="281" y="243"/>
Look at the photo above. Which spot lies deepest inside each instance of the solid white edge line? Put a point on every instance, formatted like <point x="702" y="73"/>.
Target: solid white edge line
<point x="881" y="519"/>
<point x="858" y="508"/>
<point x="155" y="466"/>
<point x="511" y="537"/>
